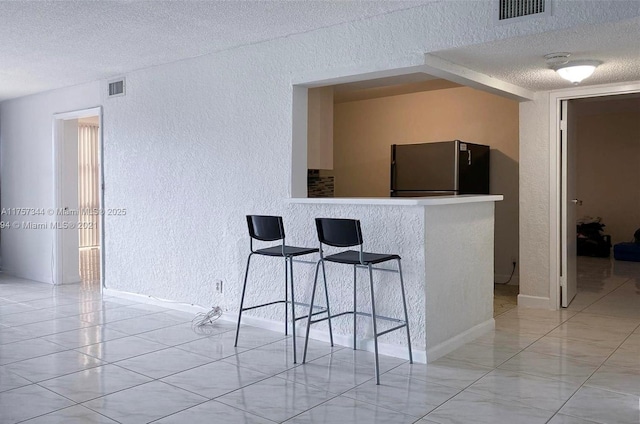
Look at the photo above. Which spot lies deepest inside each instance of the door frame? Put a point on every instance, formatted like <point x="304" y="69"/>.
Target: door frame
<point x="58" y="140"/>
<point x="555" y="179"/>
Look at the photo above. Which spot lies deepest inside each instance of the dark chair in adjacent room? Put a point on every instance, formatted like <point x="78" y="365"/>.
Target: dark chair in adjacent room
<point x="344" y="233"/>
<point x="267" y="229"/>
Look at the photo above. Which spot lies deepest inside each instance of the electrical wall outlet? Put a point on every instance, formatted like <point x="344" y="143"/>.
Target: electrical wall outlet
<point x="219" y="286"/>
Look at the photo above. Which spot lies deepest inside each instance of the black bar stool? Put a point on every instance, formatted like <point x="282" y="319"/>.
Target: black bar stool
<point x="271" y="228"/>
<point x="347" y="233"/>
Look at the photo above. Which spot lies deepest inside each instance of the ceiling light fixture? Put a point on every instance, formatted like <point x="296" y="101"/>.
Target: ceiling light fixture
<point x="574" y="71"/>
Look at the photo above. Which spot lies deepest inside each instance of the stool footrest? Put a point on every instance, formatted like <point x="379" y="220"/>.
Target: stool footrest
<point x="364" y="314"/>
<point x="382" y="333"/>
<point x="275" y="302"/>
<point x="262" y="305"/>
<point x="315" y="313"/>
<point x="382" y="317"/>
<point x="375" y="268"/>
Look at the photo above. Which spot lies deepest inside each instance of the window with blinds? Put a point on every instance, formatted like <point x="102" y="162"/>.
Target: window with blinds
<point x="88" y="185"/>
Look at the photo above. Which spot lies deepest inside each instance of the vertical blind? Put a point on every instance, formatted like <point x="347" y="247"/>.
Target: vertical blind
<point x="88" y="185"/>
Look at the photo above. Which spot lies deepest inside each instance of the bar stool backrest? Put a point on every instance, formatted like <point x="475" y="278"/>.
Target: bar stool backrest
<point x="339" y="232"/>
<point x="265" y="227"/>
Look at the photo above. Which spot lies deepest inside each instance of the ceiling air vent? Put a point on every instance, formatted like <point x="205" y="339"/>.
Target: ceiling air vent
<point x="514" y="9"/>
<point x="116" y="87"/>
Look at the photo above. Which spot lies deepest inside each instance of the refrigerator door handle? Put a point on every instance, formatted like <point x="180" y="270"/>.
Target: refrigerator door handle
<point x="393" y="175"/>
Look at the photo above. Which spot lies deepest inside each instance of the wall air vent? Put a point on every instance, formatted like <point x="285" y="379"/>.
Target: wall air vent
<point x="509" y="10"/>
<point x="116" y="87"/>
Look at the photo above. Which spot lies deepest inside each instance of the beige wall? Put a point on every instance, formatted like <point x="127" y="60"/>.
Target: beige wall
<point x="608" y="147"/>
<point x="320" y="128"/>
<point x="364" y="131"/>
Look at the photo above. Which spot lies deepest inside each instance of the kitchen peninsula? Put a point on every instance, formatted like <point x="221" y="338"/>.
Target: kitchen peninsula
<point x="447" y="249"/>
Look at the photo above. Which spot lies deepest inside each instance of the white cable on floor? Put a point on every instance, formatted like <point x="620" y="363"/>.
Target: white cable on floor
<point x="202" y="319"/>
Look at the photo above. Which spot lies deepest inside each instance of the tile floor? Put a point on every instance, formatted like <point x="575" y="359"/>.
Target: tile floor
<point x="505" y="298"/>
<point x="90" y="266"/>
<point x="68" y="355"/>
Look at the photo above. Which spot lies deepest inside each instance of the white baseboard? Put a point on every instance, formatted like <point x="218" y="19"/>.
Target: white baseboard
<point x="455" y="342"/>
<point x="11" y="273"/>
<point x="419" y="356"/>
<point x="536" y="302"/>
<point x="143" y="298"/>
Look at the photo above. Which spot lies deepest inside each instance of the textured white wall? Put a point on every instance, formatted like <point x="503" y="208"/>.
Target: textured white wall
<point x="459" y="269"/>
<point x="534" y="197"/>
<point x="386" y="229"/>
<point x="195" y="145"/>
<point x="27" y="173"/>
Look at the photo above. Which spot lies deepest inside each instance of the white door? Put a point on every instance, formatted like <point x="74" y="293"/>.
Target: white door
<point x="68" y="217"/>
<point x="569" y="203"/>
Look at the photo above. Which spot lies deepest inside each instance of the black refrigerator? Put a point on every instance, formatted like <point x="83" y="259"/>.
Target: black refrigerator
<point x="441" y="168"/>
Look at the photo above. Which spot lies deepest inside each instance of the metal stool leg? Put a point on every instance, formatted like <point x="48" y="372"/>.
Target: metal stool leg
<point x="244" y="289"/>
<point x="375" y="327"/>
<point x="313" y="295"/>
<point x="286" y="297"/>
<point x="355" y="315"/>
<point x="293" y="311"/>
<point x="326" y="294"/>
<point x="406" y="315"/>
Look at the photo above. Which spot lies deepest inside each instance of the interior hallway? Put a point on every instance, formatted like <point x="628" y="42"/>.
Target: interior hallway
<point x="69" y="355"/>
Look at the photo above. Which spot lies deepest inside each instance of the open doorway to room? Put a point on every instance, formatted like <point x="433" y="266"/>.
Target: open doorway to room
<point x="604" y="136"/>
<point x="78" y="240"/>
<point x="352" y="126"/>
<point x="89" y="200"/>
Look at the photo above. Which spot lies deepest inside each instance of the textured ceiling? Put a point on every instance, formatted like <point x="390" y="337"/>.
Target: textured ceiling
<point x="51" y="44"/>
<point x="520" y="60"/>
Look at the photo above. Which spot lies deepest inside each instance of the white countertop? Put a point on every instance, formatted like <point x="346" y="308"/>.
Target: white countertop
<point x="400" y="201"/>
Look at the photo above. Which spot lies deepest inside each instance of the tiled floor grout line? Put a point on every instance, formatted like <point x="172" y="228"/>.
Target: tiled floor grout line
<point x="278" y="375"/>
<point x="60" y="409"/>
<point x="211" y="400"/>
<point x="584" y="383"/>
<point x="601" y="297"/>
<point x="334" y="395"/>
<point x="601" y="364"/>
<point x="546" y="334"/>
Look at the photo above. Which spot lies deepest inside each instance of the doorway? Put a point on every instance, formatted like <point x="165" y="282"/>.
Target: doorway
<point x="78" y="232"/>
<point x="89" y="201"/>
<point x="567" y="205"/>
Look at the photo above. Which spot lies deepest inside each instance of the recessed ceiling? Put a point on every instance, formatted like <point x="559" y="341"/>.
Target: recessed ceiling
<point x="52" y="44"/>
<point x="390" y="86"/>
<point x="520" y="61"/>
<point x="383" y="82"/>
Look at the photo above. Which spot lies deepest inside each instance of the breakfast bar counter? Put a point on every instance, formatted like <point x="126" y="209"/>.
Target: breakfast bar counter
<point x="447" y="249"/>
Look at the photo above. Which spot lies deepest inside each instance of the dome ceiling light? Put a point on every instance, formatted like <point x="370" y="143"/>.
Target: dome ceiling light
<point x="575" y="70"/>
